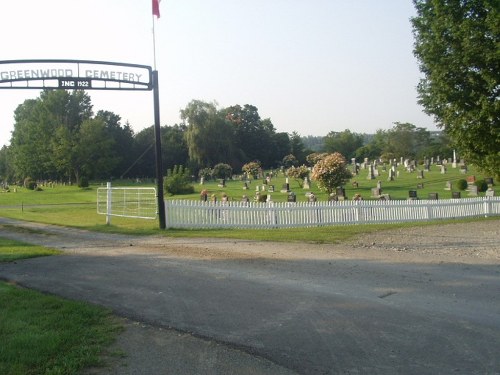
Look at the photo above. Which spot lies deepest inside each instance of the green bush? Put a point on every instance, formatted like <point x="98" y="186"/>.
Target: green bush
<point x="222" y="170"/>
<point x="178" y="181"/>
<point x="29" y="183"/>
<point x="482" y="186"/>
<point x="461" y="184"/>
<point x="83" y="183"/>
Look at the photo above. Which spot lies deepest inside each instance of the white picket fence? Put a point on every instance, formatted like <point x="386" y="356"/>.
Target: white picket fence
<point x="196" y="214"/>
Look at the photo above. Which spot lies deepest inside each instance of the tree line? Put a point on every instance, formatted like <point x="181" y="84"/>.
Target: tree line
<point x="57" y="136"/>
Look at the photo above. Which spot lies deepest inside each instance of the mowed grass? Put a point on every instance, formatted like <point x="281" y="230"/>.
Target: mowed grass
<point x="11" y="250"/>
<point x="43" y="334"/>
<point x="73" y="206"/>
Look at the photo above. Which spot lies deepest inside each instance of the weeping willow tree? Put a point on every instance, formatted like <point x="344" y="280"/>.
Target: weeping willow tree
<point x="209" y="136"/>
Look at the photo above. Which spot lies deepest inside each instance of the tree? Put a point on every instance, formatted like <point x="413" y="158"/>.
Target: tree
<point x="456" y="43"/>
<point x="209" y="136"/>
<point x="253" y="137"/>
<point x="345" y="142"/>
<point x="297" y="147"/>
<point x="289" y="161"/>
<point x="280" y="147"/>
<point x="252" y="169"/>
<point x="222" y="170"/>
<point x="405" y="140"/>
<point x="45" y="133"/>
<point x="298" y="174"/>
<point x="331" y="172"/>
<point x="123" y="137"/>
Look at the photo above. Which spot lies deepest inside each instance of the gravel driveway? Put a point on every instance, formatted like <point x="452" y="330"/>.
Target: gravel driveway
<point x="424" y="300"/>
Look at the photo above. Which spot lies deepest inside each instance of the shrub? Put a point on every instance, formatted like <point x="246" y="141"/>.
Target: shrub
<point x="330" y="172"/>
<point x="298" y="174"/>
<point x="222" y="170"/>
<point x="252" y="169"/>
<point x="29" y="183"/>
<point x="178" y="181"/>
<point x="482" y="186"/>
<point x="461" y="184"/>
<point x="83" y="182"/>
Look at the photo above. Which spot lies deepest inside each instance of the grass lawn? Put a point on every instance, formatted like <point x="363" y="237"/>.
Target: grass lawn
<point x="43" y="334"/>
<point x="72" y="206"/>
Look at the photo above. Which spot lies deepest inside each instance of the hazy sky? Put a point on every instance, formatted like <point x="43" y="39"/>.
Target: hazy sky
<point x="311" y="66"/>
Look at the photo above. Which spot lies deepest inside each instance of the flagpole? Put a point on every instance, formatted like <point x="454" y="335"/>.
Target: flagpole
<point x="154" y="43"/>
<point x="157" y="127"/>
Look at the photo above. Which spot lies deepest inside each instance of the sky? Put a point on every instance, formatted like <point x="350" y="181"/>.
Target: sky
<point x="311" y="66"/>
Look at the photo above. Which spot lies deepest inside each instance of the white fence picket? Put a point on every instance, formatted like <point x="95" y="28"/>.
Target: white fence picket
<point x="195" y="214"/>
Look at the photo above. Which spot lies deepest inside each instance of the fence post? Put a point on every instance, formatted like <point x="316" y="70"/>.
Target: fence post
<point x="108" y="203"/>
<point x="487" y="206"/>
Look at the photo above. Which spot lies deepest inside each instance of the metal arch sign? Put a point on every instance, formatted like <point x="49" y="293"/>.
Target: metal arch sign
<point x="89" y="75"/>
<point x="74" y="75"/>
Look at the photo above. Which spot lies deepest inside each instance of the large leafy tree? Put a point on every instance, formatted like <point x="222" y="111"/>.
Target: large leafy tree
<point x="56" y="136"/>
<point x="209" y="136"/>
<point x="45" y="133"/>
<point x="345" y="142"/>
<point x="457" y="45"/>
<point x="252" y="135"/>
<point x="297" y="147"/>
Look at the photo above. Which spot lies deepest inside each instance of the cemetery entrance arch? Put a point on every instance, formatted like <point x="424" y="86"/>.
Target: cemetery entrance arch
<point x="89" y="75"/>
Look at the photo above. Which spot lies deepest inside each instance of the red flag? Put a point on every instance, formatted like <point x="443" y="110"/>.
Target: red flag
<point x="156" y="8"/>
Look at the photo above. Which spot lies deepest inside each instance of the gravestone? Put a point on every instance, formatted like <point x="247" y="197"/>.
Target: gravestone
<point x="473" y="190"/>
<point x="420" y="186"/>
<point x="376" y="192"/>
<point x="433" y="196"/>
<point x="412" y="194"/>
<point x="291" y="197"/>
<point x="202" y="180"/>
<point x="448" y="185"/>
<point x="490" y="192"/>
<point x="245" y="186"/>
<point x="270" y="188"/>
<point x="420" y="174"/>
<point x="222" y="183"/>
<point x="371" y="176"/>
<point x="391" y="175"/>
<point x="455" y="195"/>
<point x="443" y="169"/>
<point x="306" y="185"/>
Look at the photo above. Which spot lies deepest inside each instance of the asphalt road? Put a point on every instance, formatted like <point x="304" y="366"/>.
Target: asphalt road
<point x="306" y="316"/>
